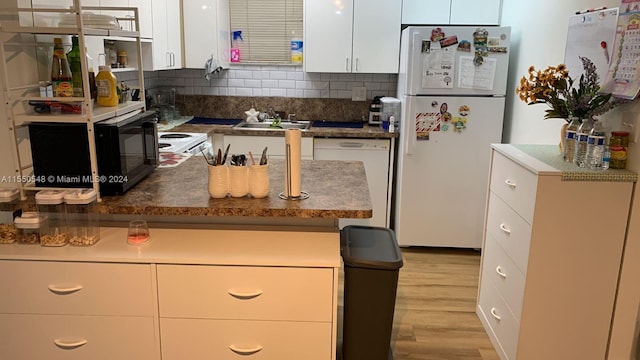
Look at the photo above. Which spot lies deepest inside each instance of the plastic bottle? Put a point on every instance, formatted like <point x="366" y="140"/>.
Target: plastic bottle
<point x="582" y="136"/>
<point x="569" y="145"/>
<point x="296" y="51"/>
<point x="595" y="146"/>
<point x="606" y="158"/>
<point x="61" y="77"/>
<point x="76" y="67"/>
<point x="106" y="83"/>
<point x="235" y="51"/>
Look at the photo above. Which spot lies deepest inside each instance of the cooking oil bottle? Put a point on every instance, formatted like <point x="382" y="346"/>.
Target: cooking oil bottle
<point x="106" y="83"/>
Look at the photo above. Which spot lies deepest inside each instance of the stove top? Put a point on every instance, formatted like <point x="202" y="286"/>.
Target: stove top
<point x="179" y="142"/>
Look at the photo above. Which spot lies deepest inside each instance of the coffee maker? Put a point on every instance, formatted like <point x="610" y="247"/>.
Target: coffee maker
<point x="374" y="111"/>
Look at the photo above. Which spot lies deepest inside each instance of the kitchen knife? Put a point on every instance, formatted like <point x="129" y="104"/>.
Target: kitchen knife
<point x="220" y="157"/>
<point x="263" y="158"/>
<point x="226" y="151"/>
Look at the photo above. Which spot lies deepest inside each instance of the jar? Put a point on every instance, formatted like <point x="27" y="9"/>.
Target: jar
<point x="82" y="217"/>
<point x="54" y="231"/>
<point x="618" y="143"/>
<point x="9" y="209"/>
<point x="123" y="60"/>
<point x="28" y="227"/>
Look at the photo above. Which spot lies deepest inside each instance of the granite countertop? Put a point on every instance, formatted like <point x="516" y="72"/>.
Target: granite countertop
<point x="367" y="131"/>
<point x="551" y="157"/>
<point x="335" y="191"/>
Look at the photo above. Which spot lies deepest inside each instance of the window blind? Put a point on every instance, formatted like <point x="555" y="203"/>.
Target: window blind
<point x="267" y="26"/>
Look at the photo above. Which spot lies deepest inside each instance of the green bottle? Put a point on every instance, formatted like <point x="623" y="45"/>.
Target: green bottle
<point x="76" y="67"/>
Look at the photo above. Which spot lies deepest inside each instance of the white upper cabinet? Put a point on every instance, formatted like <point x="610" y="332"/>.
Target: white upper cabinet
<point x="206" y="32"/>
<point x="144" y="17"/>
<point x="473" y="12"/>
<point x="426" y="12"/>
<point x="167" y="35"/>
<point x="451" y="12"/>
<point x="352" y="36"/>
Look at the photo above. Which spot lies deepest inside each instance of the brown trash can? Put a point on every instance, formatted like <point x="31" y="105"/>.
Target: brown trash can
<point x="372" y="260"/>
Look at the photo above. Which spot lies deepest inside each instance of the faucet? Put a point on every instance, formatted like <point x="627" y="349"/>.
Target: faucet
<point x="292" y="118"/>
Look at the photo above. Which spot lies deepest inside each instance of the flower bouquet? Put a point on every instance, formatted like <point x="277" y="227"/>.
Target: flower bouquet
<point x="566" y="97"/>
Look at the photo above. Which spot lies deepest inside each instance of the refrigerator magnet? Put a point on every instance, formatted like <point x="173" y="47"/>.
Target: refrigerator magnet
<point x="437" y="34"/>
<point x="464" y="45"/>
<point x="426" y="46"/>
<point x="448" y="41"/>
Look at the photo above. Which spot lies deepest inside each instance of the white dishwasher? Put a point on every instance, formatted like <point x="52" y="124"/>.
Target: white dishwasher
<point x="375" y="154"/>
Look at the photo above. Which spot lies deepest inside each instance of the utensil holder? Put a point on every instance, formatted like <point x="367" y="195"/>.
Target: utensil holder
<point x="238" y="181"/>
<point x="259" y="181"/>
<point x="218" y="181"/>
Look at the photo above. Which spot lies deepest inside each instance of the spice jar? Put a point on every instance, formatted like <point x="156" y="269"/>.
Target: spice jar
<point x="82" y="217"/>
<point x="28" y="227"/>
<point x="9" y="209"/>
<point x="54" y="231"/>
<point x="123" y="60"/>
<point x="618" y="143"/>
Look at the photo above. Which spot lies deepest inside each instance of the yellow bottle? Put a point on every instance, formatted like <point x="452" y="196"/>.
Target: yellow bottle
<point x="106" y="83"/>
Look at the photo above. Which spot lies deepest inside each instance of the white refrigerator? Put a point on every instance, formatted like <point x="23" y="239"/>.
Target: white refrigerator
<point x="452" y="84"/>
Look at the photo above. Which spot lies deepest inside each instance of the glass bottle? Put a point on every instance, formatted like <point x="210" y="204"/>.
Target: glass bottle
<point x="570" y="139"/>
<point x="61" y="77"/>
<point x="75" y="63"/>
<point x="582" y="136"/>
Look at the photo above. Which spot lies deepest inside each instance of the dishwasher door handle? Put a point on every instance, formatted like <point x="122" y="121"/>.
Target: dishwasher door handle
<point x="351" y="144"/>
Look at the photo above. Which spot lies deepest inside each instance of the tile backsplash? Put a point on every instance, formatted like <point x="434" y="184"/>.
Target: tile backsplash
<point x="311" y="96"/>
<point x="274" y="81"/>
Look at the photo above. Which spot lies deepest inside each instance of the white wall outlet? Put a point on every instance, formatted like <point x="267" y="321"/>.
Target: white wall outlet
<point x="630" y="123"/>
<point x="359" y="93"/>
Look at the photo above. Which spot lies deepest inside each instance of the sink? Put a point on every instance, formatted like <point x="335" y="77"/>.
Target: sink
<point x="268" y="125"/>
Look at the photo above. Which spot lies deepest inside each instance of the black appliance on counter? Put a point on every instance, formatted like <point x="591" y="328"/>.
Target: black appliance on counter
<point x="126" y="151"/>
<point x="374" y="111"/>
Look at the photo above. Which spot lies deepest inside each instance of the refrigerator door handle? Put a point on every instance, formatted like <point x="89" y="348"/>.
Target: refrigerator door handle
<point x="411" y="134"/>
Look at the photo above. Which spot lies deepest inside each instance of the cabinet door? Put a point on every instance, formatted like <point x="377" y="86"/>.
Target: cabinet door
<point x="174" y="34"/>
<point x="206" y="33"/>
<point x="145" y="17"/>
<point x="426" y="12"/>
<point x="328" y="35"/>
<point x="470" y="12"/>
<point x="376" y="36"/>
<point x="160" y="50"/>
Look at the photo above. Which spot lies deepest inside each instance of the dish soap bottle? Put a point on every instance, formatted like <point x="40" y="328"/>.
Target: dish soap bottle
<point x="235" y="50"/>
<point x="106" y="83"/>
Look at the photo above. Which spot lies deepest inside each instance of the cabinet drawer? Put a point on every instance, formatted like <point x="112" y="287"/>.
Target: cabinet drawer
<point x="498" y="269"/>
<point x="195" y="339"/>
<point x="38" y="287"/>
<point x="251" y="293"/>
<point x="502" y="322"/>
<point x="63" y="337"/>
<point x="510" y="230"/>
<point x="514" y="184"/>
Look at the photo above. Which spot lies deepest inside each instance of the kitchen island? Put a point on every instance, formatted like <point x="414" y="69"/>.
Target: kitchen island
<point x="220" y="278"/>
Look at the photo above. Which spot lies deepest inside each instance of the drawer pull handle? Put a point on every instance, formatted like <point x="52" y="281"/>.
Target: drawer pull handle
<point x="245" y="294"/>
<point x="69" y="344"/>
<point x="504" y="228"/>
<point x="510" y="183"/>
<point x="495" y="315"/>
<point x="500" y="272"/>
<point x="60" y="290"/>
<point x="245" y="351"/>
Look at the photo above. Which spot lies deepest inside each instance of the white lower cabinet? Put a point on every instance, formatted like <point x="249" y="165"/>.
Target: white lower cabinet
<point x="67" y="337"/>
<point x="190" y="294"/>
<point x="200" y="339"/>
<point x="550" y="258"/>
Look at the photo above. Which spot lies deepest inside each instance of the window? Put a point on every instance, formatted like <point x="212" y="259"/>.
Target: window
<point x="267" y="26"/>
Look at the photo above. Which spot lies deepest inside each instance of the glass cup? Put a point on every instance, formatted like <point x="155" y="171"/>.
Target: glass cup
<point x="138" y="232"/>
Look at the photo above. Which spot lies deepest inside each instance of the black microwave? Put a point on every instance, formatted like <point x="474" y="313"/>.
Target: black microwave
<point x="126" y="152"/>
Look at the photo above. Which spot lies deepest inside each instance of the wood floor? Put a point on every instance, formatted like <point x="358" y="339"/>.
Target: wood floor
<point x="435" y="315"/>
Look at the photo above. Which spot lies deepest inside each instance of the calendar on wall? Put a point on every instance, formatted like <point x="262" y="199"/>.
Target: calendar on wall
<point x="623" y="77"/>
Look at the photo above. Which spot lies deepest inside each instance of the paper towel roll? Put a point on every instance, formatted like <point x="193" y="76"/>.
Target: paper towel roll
<point x="293" y="157"/>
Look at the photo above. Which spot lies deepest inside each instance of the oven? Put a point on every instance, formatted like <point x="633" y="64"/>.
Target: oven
<point x="126" y="150"/>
